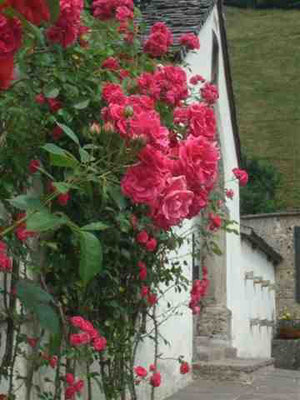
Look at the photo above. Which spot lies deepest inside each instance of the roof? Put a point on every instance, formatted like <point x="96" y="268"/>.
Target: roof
<point x="257" y="241"/>
<point x="278" y="214"/>
<point x="181" y="16"/>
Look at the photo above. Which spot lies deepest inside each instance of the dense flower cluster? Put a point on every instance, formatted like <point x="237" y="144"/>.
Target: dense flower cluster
<point x="10" y="42"/>
<point x="73" y="386"/>
<point x="5" y="261"/>
<point x="87" y="335"/>
<point x="104" y="10"/>
<point x="67" y="28"/>
<point x="199" y="290"/>
<point x="35" y="11"/>
<point x="190" y="41"/>
<point x="159" y="40"/>
<point x="209" y="93"/>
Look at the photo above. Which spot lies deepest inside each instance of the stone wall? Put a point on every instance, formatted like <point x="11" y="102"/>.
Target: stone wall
<point x="278" y="230"/>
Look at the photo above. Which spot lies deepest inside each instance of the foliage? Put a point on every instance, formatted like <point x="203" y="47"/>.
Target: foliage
<point x="259" y="196"/>
<point x="101" y="155"/>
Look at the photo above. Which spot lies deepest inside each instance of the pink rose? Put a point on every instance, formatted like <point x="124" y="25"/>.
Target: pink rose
<point x="174" y="204"/>
<point x="123" y="13"/>
<point x="229" y="193"/>
<point x="79" y="385"/>
<point x="210" y="93"/>
<point x="78" y="339"/>
<point x="241" y="175"/>
<point x="70" y="392"/>
<point x="141" y="371"/>
<point x="77" y="321"/>
<point x="190" y="40"/>
<point x="99" y="343"/>
<point x="40" y="98"/>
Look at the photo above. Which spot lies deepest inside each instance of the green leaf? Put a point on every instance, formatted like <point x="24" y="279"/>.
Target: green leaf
<point x="62" y="187"/>
<point x="53" y="149"/>
<point x="54" y="9"/>
<point x="43" y="221"/>
<point x="27" y="202"/>
<point x="81" y="105"/>
<point x="84" y="155"/>
<point x="38" y="301"/>
<point x="116" y="195"/>
<point x="63" y="161"/>
<point x="95" y="226"/>
<point x="47" y="317"/>
<point x="68" y="131"/>
<point x="51" y="91"/>
<point x="90" y="256"/>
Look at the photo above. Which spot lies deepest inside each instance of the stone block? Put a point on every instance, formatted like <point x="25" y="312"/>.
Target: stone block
<point x="286" y="353"/>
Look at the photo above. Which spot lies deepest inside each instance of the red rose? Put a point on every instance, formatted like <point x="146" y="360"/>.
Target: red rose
<point x="151" y="244"/>
<point x="155" y="379"/>
<point x="32" y="341"/>
<point x="152" y="299"/>
<point x="99" y="343"/>
<point x="70" y="392"/>
<point x="79" y="385"/>
<point x="40" y="98"/>
<point x="152" y="367"/>
<point x="77" y="321"/>
<point x="143" y="270"/>
<point x="144" y="291"/>
<point x="54" y="104"/>
<point x="70" y="378"/>
<point x="190" y="40"/>
<point x="241" y="175"/>
<point x="215" y="222"/>
<point x="141" y="371"/>
<point x="53" y="361"/>
<point x="111" y="63"/>
<point x="63" y="199"/>
<point x="10" y="36"/>
<point x="34" y="166"/>
<point x="184" y="368"/>
<point x="123" y="13"/>
<point x="34" y="11"/>
<point x="77" y="339"/>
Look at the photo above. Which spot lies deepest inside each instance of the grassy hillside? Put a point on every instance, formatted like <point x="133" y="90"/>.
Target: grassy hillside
<point x="265" y="60"/>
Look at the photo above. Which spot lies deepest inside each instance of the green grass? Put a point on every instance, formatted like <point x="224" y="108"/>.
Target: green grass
<point x="265" y="60"/>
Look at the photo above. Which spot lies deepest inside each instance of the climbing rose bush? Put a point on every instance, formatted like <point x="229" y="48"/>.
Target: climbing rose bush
<point x="102" y="155"/>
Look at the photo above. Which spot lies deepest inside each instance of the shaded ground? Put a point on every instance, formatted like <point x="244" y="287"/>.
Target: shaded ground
<point x="265" y="60"/>
<point x="274" y="384"/>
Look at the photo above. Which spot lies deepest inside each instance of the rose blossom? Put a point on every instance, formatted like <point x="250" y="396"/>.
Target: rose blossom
<point x="144" y="291"/>
<point x="143" y="270"/>
<point x="35" y="11"/>
<point x="155" y="379"/>
<point x="190" y="40"/>
<point x="142" y="237"/>
<point x="210" y="93"/>
<point x="229" y="193"/>
<point x="79" y="385"/>
<point x="159" y="40"/>
<point x="70" y="392"/>
<point x="57" y="132"/>
<point x="241" y="175"/>
<point x="110" y="63"/>
<point x="184" y="368"/>
<point x="152" y="298"/>
<point x="77" y="321"/>
<point x="70" y="378"/>
<point x="151" y="244"/>
<point x="99" y="343"/>
<point x="174" y="204"/>
<point x="77" y="339"/>
<point x="34" y="166"/>
<point x="63" y="198"/>
<point x="54" y="104"/>
<point x="141" y="371"/>
<point x="215" y="222"/>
